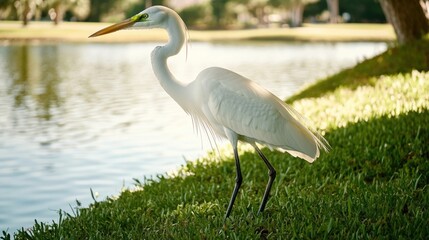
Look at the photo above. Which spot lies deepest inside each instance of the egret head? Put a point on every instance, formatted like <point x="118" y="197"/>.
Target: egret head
<point x="153" y="17"/>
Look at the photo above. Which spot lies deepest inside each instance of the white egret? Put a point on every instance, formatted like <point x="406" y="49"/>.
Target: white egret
<point x="225" y="103"/>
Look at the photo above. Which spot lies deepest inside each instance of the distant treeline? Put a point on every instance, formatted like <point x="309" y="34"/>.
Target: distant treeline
<point x="204" y="14"/>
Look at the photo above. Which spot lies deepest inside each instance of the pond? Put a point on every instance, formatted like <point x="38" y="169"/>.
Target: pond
<point x="75" y="117"/>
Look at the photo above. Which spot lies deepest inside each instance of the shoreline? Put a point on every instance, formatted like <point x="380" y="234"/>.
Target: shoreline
<point x="78" y="32"/>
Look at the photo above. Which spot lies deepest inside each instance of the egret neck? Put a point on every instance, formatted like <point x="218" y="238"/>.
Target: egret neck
<point x="159" y="56"/>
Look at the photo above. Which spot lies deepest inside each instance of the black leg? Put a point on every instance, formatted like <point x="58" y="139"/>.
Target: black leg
<point x="238" y="182"/>
<point x="272" y="175"/>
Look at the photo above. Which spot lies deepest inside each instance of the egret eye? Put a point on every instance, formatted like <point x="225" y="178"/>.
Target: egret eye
<point x="144" y="16"/>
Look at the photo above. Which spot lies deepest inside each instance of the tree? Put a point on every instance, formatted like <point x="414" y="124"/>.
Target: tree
<point x="57" y="8"/>
<point x="218" y="11"/>
<point x="6" y="7"/>
<point x="99" y="8"/>
<point x="359" y="10"/>
<point x="137" y="6"/>
<point x="195" y="15"/>
<point x="295" y="6"/>
<point x="26" y="12"/>
<point x="407" y="18"/>
<point x="24" y="9"/>
<point x="334" y="10"/>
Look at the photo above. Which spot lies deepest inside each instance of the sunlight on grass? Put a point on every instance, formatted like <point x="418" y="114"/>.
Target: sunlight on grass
<point x="391" y="96"/>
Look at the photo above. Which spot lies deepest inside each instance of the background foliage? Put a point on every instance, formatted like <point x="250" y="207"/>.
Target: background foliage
<point x="207" y="14"/>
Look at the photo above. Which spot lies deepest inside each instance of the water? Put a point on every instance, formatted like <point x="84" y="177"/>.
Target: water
<point x="75" y="117"/>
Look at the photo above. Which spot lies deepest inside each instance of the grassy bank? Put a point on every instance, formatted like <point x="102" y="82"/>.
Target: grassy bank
<point x="372" y="184"/>
<point x="79" y="32"/>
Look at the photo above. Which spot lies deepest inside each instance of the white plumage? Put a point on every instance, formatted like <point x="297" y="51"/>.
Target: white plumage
<point x="254" y="114"/>
<point x="225" y="103"/>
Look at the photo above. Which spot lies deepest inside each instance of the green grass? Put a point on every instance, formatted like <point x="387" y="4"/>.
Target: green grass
<point x="373" y="184"/>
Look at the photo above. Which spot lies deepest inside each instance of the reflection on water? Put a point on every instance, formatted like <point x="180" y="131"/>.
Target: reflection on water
<point x="81" y="116"/>
<point x="26" y="69"/>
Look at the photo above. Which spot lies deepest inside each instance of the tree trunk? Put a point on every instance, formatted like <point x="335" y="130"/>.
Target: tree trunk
<point x="26" y="13"/>
<point x="297" y="15"/>
<point x="59" y="13"/>
<point x="407" y="18"/>
<point x="334" y="11"/>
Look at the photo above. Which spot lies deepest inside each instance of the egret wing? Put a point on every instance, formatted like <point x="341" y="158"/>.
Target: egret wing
<point x="255" y="114"/>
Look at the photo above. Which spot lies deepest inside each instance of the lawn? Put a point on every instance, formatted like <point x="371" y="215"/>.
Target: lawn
<point x="373" y="184"/>
<point x="79" y="32"/>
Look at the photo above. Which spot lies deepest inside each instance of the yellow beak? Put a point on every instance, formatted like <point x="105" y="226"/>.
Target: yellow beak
<point x="115" y="27"/>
